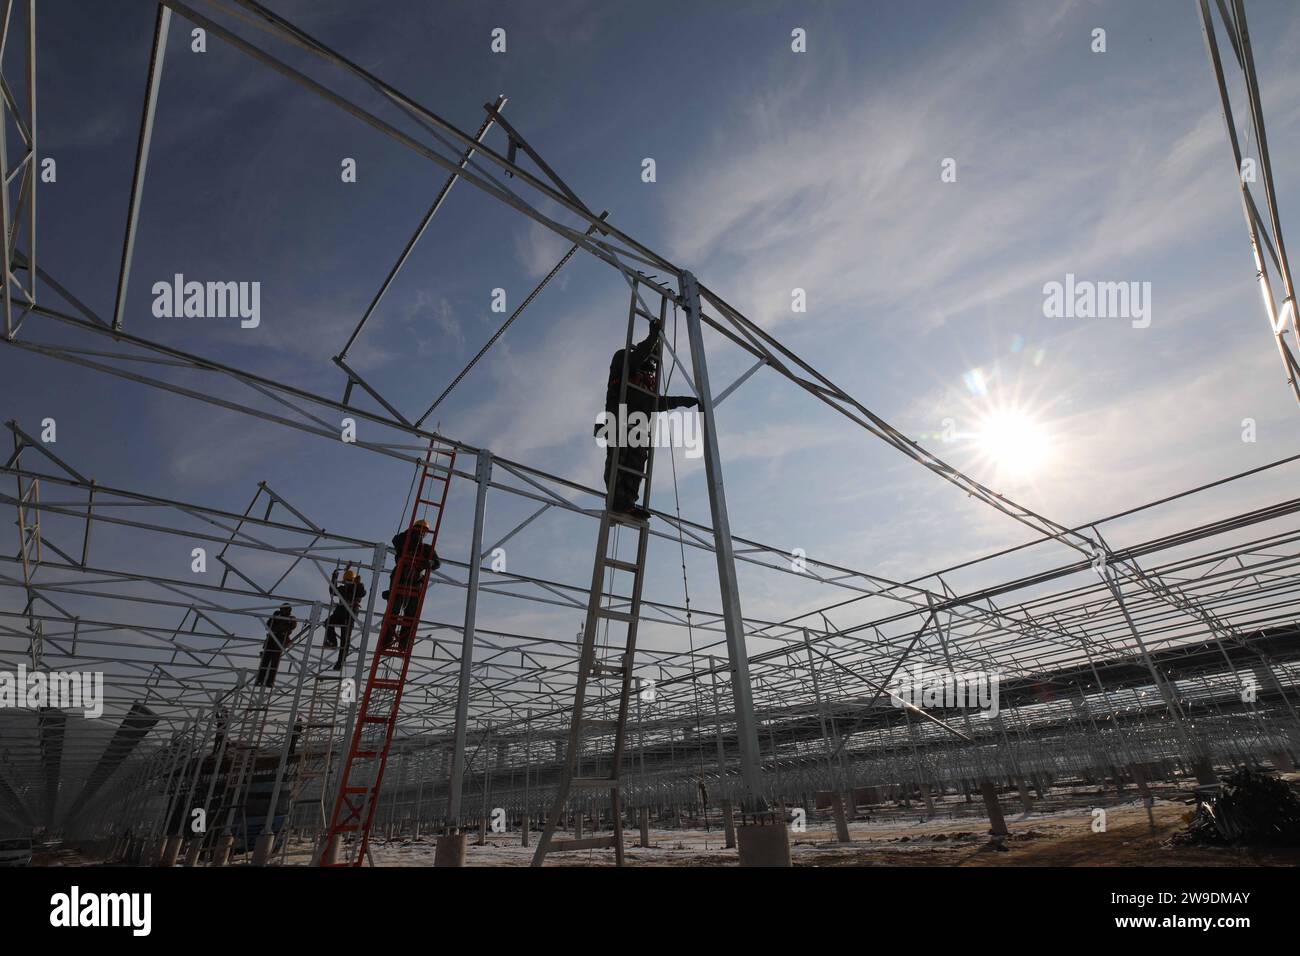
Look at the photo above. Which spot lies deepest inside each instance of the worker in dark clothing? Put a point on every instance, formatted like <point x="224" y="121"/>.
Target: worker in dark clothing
<point x="344" y="614"/>
<point x="416" y="559"/>
<point x="223" y="721"/>
<point x="643" y="397"/>
<point x="279" y="635"/>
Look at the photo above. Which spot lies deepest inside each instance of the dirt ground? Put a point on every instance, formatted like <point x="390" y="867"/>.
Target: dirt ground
<point x="1060" y="832"/>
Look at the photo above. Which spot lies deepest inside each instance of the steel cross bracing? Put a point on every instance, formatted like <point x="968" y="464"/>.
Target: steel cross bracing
<point x="750" y="337"/>
<point x="1266" y="243"/>
<point x="1015" y="635"/>
<point x="1263" y="563"/>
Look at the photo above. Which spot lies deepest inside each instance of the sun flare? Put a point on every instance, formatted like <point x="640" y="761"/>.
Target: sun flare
<point x="1013" y="442"/>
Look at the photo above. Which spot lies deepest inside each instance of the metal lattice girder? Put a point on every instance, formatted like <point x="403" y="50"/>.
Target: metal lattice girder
<point x="18" y="207"/>
<point x="1266" y="242"/>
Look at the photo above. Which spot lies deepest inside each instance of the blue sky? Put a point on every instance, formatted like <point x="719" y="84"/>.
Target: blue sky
<point x="775" y="170"/>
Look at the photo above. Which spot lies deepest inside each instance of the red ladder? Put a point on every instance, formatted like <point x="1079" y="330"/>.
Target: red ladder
<point x="363" y="770"/>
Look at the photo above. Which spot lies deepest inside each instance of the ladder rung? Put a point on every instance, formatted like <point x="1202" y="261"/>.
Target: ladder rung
<point x="621" y="565"/>
<point x="631" y="470"/>
<point x="594" y="783"/>
<point x="622" y="517"/>
<point x="616" y="615"/>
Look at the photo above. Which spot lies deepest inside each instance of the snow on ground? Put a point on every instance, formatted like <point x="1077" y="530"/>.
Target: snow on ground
<point x="896" y="836"/>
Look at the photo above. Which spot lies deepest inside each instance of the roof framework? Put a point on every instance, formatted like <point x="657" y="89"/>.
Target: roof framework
<point x="1144" y="660"/>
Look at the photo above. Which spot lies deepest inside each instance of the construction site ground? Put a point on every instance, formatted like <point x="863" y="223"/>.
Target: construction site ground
<point x="1058" y="831"/>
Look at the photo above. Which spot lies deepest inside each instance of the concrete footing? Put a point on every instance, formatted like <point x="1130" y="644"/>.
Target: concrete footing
<point x="523" y="831"/>
<point x="645" y="826"/>
<point x="152" y="850"/>
<point x="1204" y="772"/>
<point x="928" y="798"/>
<point x="221" y="854"/>
<point x="1026" y="800"/>
<point x="729" y="824"/>
<point x="331" y="853"/>
<point x="193" y="850"/>
<point x="997" y="824"/>
<point x="262" y="849"/>
<point x="841" y="821"/>
<point x="171" y="851"/>
<point x="764" y="845"/>
<point x="450" y="850"/>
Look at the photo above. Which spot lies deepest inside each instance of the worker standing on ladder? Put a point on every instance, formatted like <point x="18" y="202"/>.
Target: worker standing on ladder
<point x="415" y="559"/>
<point x="642" y="397"/>
<point x="338" y="628"/>
<point x="279" y="635"/>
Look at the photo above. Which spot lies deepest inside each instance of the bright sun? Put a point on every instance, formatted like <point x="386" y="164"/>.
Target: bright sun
<point x="1012" y="442"/>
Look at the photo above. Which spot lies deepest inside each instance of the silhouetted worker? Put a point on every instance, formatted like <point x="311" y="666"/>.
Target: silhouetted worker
<point x="223" y="721"/>
<point x="279" y="634"/>
<point x="415" y="560"/>
<point x="344" y="614"/>
<point x="642" y="396"/>
<point x="296" y="736"/>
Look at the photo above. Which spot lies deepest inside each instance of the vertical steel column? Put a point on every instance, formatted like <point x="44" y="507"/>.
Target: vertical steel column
<point x="821" y="711"/>
<point x="172" y="790"/>
<point x="5" y="251"/>
<point x="485" y="746"/>
<point x="268" y="828"/>
<point x="1195" y="752"/>
<point x="142" y="156"/>
<point x="358" y="678"/>
<point x="717" y="718"/>
<point x="528" y="759"/>
<point x="746" y="730"/>
<point x="33" y="169"/>
<point x="482" y="475"/>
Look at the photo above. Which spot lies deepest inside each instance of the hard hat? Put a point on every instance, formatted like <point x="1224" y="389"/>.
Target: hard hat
<point x="349" y="575"/>
<point x="422" y="524"/>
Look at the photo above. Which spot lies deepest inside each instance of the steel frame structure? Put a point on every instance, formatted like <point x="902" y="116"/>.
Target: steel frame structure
<point x="1266" y="242"/>
<point x="816" y="691"/>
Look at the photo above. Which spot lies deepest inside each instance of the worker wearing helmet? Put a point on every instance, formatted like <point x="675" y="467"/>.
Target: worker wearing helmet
<point x="642" y="396"/>
<point x="416" y="558"/>
<point x="344" y="614"/>
<point x="279" y="635"/>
